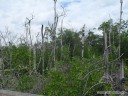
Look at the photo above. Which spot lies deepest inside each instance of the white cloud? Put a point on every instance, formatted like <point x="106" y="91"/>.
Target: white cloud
<point x="79" y="12"/>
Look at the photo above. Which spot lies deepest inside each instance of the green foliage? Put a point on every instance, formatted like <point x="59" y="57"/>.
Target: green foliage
<point x="69" y="78"/>
<point x="26" y="83"/>
<point x="73" y="75"/>
<point x="20" y="55"/>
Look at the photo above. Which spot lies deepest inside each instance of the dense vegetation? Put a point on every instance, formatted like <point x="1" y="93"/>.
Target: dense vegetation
<point x="66" y="62"/>
<point x="72" y="75"/>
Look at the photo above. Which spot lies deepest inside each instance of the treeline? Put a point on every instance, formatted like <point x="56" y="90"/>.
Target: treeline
<point x="76" y="68"/>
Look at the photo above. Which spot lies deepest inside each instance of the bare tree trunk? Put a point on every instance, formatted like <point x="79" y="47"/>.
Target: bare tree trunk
<point x="46" y="34"/>
<point x="30" y="45"/>
<point x="30" y="34"/>
<point x="121" y="12"/>
<point x="110" y="31"/>
<point x="28" y="28"/>
<point x="34" y="59"/>
<point x="121" y="70"/>
<point x="42" y="49"/>
<point x="54" y="34"/>
<point x="120" y="64"/>
<point x="106" y="71"/>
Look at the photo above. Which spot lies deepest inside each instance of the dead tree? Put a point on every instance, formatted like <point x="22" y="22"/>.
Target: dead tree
<point x="110" y="31"/>
<point x="54" y="33"/>
<point x="42" y="49"/>
<point x="29" y="42"/>
<point x="29" y="30"/>
<point x="26" y="29"/>
<point x="61" y="42"/>
<point x="106" y="71"/>
<point x="43" y="33"/>
<point x="121" y="12"/>
<point x="34" y="59"/>
<point x="120" y="63"/>
<point x="46" y="34"/>
<point x="122" y="70"/>
<point x="53" y="28"/>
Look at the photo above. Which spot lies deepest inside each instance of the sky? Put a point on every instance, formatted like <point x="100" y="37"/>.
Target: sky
<point x="92" y="13"/>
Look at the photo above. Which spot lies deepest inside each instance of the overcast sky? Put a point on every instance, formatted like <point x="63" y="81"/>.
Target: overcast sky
<point x="89" y="12"/>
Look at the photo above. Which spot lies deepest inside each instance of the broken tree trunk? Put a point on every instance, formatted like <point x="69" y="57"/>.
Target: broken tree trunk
<point x="122" y="70"/>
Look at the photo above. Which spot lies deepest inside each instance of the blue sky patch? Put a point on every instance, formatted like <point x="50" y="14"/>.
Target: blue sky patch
<point x="67" y="3"/>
